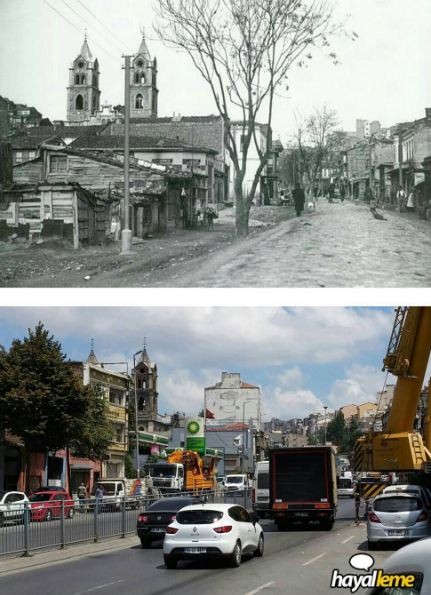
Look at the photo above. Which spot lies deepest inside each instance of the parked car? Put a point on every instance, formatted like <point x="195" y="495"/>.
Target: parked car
<point x="212" y="531"/>
<point x="151" y="524"/>
<point x="12" y="507"/>
<point x="45" y="506"/>
<point x="413" y="559"/>
<point x="397" y="517"/>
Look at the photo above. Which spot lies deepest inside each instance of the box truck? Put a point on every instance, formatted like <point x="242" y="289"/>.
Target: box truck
<point x="303" y="485"/>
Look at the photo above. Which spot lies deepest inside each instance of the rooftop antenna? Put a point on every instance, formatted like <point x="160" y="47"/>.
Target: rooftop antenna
<point x="92" y="344"/>
<point x="145" y="343"/>
<point x="85" y="39"/>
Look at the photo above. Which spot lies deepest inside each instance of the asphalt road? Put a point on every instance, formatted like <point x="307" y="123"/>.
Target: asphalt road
<point x="299" y="562"/>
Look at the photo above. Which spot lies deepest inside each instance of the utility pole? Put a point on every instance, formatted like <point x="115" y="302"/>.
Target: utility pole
<point x="400" y="157"/>
<point x="325" y="407"/>
<point x="126" y="232"/>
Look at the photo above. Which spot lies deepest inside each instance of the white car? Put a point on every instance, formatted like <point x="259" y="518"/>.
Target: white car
<point x="12" y="507"/>
<point x="212" y="531"/>
<point x="413" y="559"/>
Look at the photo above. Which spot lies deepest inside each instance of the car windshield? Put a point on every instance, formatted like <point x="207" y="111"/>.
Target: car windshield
<point x="234" y="479"/>
<point x="344" y="483"/>
<point x="397" y="504"/>
<point x="198" y="517"/>
<point x="40" y="497"/>
<point x="163" y="471"/>
<point x="170" y="504"/>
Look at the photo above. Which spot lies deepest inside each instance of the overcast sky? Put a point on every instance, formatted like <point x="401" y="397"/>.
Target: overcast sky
<point x="302" y="358"/>
<point x="384" y="75"/>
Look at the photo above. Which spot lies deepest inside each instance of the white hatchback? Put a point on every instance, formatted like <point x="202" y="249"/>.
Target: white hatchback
<point x="12" y="507"/>
<point x="212" y="531"/>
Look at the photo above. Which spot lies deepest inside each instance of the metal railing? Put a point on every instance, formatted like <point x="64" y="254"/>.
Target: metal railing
<point x="87" y="520"/>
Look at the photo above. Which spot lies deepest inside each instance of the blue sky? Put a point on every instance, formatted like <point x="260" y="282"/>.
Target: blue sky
<point x="303" y="358"/>
<point x="382" y="76"/>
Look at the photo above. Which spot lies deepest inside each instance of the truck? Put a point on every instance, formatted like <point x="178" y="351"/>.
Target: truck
<point x="115" y="490"/>
<point x="185" y="470"/>
<point x="303" y="485"/>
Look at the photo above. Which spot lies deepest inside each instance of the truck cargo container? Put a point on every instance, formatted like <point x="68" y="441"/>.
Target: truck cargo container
<point x="303" y="485"/>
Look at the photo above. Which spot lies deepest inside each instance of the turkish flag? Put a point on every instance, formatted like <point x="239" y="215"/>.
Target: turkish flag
<point x="209" y="414"/>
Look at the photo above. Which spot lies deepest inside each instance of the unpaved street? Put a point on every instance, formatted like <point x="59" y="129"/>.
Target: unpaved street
<point x="338" y="245"/>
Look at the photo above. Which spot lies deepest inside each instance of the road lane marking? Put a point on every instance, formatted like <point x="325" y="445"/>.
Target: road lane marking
<point x="98" y="587"/>
<point x="348" y="539"/>
<point x="260" y="588"/>
<point x="314" y="559"/>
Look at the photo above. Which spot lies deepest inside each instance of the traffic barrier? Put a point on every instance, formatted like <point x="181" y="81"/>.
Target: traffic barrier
<point x="89" y="520"/>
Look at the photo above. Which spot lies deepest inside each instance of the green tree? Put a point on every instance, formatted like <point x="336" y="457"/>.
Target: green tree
<point x="42" y="400"/>
<point x="352" y="434"/>
<point x="336" y="429"/>
<point x="96" y="428"/>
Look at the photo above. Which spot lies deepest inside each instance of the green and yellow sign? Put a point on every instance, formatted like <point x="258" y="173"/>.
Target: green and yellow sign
<point x="195" y="434"/>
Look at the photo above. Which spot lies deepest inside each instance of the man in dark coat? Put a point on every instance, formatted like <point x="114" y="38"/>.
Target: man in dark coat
<point x="298" y="198"/>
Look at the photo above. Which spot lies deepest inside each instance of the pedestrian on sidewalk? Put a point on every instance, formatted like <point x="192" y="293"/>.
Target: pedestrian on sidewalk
<point x="298" y="198"/>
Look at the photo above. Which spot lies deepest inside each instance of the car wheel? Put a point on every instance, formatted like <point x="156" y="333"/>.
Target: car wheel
<point x="236" y="555"/>
<point x="170" y="562"/>
<point x="48" y="516"/>
<point x="260" y="546"/>
<point x="145" y="542"/>
<point x="71" y="513"/>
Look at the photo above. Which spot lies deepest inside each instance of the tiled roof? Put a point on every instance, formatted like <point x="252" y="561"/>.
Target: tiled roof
<point x="209" y="118"/>
<point x="247" y="385"/>
<point x="135" y="142"/>
<point x="33" y="137"/>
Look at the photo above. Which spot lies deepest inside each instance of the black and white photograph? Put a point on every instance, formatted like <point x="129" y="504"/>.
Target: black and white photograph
<point x="204" y="143"/>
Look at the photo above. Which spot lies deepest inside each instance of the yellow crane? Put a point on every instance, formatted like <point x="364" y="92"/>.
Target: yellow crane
<point x="399" y="447"/>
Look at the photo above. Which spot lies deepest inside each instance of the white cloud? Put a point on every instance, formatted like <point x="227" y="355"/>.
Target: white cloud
<point x="222" y="337"/>
<point x="287" y="404"/>
<point x="360" y="385"/>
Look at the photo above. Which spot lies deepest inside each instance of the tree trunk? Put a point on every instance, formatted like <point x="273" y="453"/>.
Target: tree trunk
<point x="241" y="208"/>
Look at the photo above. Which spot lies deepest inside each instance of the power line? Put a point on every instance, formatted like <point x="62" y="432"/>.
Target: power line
<point x="85" y="21"/>
<point x="78" y="29"/>
<point x="123" y="43"/>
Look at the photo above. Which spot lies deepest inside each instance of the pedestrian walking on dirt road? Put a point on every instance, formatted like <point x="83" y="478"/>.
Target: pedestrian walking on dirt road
<point x="298" y="198"/>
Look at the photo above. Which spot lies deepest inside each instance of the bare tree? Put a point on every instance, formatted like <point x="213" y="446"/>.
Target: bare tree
<point x="244" y="50"/>
<point x="312" y="136"/>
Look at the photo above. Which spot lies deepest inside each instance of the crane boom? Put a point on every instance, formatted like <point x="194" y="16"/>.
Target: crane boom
<point x="399" y="446"/>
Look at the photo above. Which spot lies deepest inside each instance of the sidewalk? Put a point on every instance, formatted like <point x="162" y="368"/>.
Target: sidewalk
<point x="11" y="565"/>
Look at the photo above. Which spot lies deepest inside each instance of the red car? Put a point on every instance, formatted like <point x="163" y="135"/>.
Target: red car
<point x="48" y="505"/>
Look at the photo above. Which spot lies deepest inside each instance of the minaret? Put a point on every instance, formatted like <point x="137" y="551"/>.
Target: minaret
<point x="143" y="84"/>
<point x="83" y="93"/>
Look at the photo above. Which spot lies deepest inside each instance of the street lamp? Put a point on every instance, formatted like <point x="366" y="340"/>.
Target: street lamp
<point x="138" y="471"/>
<point x="325" y="407"/>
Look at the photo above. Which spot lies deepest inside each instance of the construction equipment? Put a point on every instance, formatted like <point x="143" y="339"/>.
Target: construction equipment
<point x="399" y="447"/>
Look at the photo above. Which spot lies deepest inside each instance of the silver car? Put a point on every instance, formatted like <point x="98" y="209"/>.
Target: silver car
<point x="397" y="517"/>
<point x="411" y="559"/>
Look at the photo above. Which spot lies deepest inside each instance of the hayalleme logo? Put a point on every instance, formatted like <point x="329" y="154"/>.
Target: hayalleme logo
<point x="376" y="578"/>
